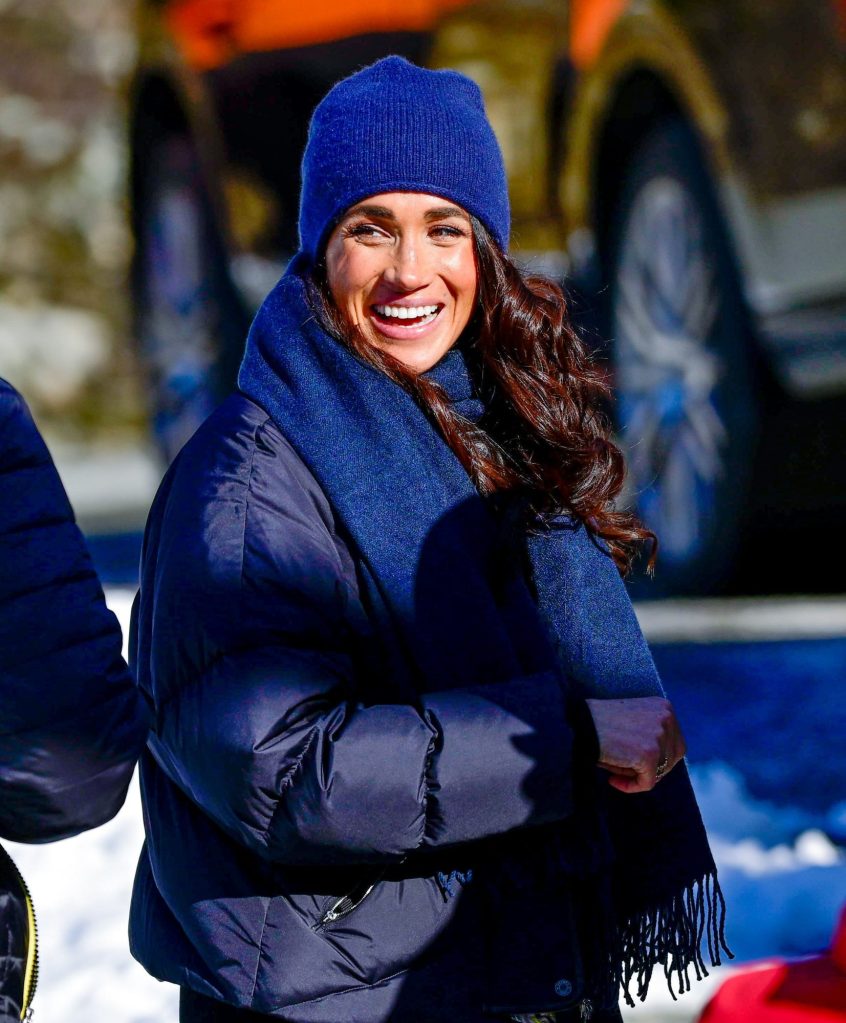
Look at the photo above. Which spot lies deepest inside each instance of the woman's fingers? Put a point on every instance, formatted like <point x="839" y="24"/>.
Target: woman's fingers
<point x="640" y="740"/>
<point x="625" y="784"/>
<point x="626" y="779"/>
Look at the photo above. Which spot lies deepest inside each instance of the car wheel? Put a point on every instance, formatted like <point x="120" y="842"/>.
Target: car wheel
<point x="685" y="406"/>
<point x="190" y="324"/>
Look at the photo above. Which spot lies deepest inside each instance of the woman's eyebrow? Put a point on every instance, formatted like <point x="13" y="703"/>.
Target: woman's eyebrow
<point x="371" y="211"/>
<point x="439" y="212"/>
<point x="384" y="213"/>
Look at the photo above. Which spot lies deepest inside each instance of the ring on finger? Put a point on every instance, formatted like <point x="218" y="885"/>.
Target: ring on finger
<point x="663" y="764"/>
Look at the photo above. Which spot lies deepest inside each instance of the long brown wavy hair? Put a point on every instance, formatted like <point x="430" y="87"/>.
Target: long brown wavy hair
<point x="544" y="438"/>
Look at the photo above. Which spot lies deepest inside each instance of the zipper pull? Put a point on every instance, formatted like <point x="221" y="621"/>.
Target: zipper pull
<point x="347" y="903"/>
<point x="585" y="1010"/>
<point x="352" y="900"/>
<point x="338" y="909"/>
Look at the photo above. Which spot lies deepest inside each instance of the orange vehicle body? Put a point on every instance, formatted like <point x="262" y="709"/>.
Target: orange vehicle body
<point x="210" y="32"/>
<point x="591" y="22"/>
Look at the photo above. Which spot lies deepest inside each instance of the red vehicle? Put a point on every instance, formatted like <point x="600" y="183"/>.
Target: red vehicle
<point x="806" y="991"/>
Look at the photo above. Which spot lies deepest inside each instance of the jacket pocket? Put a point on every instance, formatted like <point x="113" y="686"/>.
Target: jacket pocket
<point x="380" y="931"/>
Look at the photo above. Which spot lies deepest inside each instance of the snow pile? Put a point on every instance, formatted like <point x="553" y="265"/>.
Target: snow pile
<point x="782" y="876"/>
<point x="81" y="890"/>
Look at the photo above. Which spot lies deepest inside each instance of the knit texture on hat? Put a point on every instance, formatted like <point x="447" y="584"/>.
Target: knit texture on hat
<point x="396" y="127"/>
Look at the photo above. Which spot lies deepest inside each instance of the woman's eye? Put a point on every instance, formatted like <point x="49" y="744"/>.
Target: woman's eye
<point x="366" y="231"/>
<point x="446" y="231"/>
<point x="362" y="231"/>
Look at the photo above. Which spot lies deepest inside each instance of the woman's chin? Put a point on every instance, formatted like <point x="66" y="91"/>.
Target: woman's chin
<point x="417" y="347"/>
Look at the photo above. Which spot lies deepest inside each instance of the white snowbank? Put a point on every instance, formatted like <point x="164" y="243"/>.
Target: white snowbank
<point x="81" y="890"/>
<point x="742" y="619"/>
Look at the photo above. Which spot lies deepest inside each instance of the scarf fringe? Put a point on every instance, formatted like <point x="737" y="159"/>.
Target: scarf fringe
<point x="676" y="935"/>
<point x="672" y="934"/>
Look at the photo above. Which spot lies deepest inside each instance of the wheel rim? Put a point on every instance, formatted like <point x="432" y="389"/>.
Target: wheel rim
<point x="665" y="308"/>
<point x="178" y="317"/>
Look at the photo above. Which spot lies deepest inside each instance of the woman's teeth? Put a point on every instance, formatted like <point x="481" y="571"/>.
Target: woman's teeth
<point x="422" y="313"/>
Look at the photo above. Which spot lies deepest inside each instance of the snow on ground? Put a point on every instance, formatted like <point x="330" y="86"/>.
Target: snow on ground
<point x="81" y="889"/>
<point x="783" y="879"/>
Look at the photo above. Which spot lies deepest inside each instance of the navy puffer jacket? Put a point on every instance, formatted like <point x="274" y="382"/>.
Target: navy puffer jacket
<point x="274" y="785"/>
<point x="71" y="720"/>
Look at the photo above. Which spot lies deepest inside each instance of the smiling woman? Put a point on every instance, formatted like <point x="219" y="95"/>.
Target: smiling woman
<point x="402" y="268"/>
<point x="401" y="695"/>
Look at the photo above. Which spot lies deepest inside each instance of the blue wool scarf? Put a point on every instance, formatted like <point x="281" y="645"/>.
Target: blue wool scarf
<point x="426" y="546"/>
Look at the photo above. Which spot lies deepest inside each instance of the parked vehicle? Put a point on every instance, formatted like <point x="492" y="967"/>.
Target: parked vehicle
<point x="681" y="164"/>
<point x="810" y="990"/>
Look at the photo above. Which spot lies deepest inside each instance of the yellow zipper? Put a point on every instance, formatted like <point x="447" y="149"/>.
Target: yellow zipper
<point x="31" y="968"/>
<point x="30" y="980"/>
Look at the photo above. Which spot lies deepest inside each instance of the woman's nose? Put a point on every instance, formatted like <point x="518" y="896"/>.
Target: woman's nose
<point x="408" y="269"/>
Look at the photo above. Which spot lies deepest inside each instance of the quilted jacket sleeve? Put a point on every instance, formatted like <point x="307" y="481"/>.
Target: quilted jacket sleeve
<point x="252" y="603"/>
<point x="71" y="724"/>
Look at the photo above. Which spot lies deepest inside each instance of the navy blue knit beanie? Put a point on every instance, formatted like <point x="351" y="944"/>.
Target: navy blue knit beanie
<point x="396" y="127"/>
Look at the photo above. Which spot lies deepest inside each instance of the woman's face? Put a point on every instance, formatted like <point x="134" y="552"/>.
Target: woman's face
<point x="401" y="267"/>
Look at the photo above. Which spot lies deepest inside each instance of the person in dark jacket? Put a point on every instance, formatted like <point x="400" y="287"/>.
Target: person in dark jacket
<point x="71" y="719"/>
<point x="412" y="761"/>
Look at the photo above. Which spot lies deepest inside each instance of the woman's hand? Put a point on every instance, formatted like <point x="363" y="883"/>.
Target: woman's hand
<point x="639" y="740"/>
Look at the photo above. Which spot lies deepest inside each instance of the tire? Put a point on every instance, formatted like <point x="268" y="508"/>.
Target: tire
<point x="190" y="324"/>
<point x="686" y="407"/>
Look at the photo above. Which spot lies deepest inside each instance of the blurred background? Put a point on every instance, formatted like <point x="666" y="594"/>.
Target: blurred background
<point x="66" y="240"/>
<point x="680" y="164"/>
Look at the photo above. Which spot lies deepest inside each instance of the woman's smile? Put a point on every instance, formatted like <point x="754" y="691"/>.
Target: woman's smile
<point x="401" y="268"/>
<point x="399" y="321"/>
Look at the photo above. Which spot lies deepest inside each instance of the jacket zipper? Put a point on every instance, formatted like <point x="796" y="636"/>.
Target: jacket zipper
<point x="30" y="980"/>
<point x="347" y="903"/>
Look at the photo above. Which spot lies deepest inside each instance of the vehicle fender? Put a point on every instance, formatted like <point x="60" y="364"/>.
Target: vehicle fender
<point x="644" y="37"/>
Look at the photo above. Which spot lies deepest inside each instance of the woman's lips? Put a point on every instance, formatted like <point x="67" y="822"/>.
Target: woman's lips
<point x="400" y="330"/>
